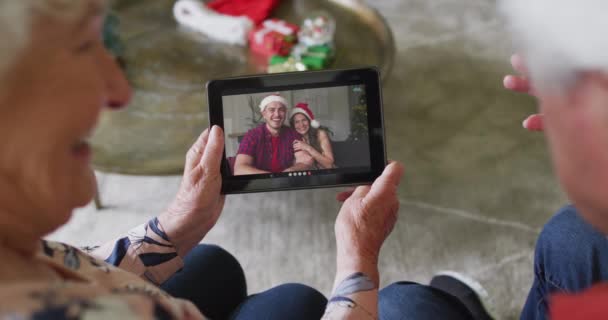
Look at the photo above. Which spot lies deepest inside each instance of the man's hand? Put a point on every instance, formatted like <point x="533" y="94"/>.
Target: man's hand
<point x="366" y="219"/>
<point x="198" y="203"/>
<point x="521" y="83"/>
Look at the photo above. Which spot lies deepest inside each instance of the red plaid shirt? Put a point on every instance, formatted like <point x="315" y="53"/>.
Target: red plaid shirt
<point x="258" y="144"/>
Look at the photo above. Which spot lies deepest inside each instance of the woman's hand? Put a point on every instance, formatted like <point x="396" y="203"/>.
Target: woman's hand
<point x="366" y="219"/>
<point x="522" y="84"/>
<point x="301" y="146"/>
<point x="198" y="203"/>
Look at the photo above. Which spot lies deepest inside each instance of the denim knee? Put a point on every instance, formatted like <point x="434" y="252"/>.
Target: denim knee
<point x="216" y="253"/>
<point x="212" y="279"/>
<point x="306" y="297"/>
<point x="288" y="301"/>
<point x="409" y="300"/>
<point x="570" y="253"/>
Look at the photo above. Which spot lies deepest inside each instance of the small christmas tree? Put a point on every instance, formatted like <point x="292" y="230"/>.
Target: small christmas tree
<point x="358" y="120"/>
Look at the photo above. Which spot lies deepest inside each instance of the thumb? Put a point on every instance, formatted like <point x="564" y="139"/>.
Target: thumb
<point x="212" y="156"/>
<point x="387" y="183"/>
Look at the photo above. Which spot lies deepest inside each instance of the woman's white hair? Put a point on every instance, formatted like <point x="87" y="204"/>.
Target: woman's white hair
<point x="559" y="38"/>
<point x="16" y="18"/>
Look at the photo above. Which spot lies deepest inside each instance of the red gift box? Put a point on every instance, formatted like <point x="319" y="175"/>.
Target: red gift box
<point x="273" y="37"/>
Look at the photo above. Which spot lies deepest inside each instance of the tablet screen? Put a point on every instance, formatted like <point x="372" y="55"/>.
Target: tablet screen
<point x="299" y="130"/>
<point x="297" y="133"/>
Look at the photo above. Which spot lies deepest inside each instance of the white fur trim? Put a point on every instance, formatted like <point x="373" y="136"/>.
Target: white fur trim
<point x="313" y="123"/>
<point x="270" y="99"/>
<point x="558" y="38"/>
<point x="295" y="111"/>
<point x="220" y="27"/>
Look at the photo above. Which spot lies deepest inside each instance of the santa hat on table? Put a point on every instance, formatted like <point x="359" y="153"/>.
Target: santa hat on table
<point x="303" y="109"/>
<point x="228" y="21"/>
<point x="256" y="10"/>
<point x="270" y="99"/>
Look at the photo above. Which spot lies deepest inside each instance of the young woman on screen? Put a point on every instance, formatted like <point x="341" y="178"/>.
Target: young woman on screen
<point x="315" y="140"/>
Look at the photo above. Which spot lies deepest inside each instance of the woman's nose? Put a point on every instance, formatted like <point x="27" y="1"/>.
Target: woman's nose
<point x="118" y="89"/>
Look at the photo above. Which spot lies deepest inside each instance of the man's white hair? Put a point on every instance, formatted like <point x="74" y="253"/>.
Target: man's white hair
<point x="16" y="18"/>
<point x="559" y="38"/>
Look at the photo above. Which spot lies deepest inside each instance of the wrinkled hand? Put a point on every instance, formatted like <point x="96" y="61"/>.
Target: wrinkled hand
<point x="367" y="217"/>
<point x="301" y="146"/>
<point x="198" y="203"/>
<point x="522" y="84"/>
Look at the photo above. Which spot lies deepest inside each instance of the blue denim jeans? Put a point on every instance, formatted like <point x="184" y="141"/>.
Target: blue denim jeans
<point x="214" y="281"/>
<point x="570" y="257"/>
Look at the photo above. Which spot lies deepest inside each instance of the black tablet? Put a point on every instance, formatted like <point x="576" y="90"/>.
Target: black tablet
<point x="299" y="130"/>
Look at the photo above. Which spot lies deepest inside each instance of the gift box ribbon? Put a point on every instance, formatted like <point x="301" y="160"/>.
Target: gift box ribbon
<point x="273" y="26"/>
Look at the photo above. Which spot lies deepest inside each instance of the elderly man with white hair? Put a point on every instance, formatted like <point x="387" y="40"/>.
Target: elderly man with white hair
<point x="564" y="63"/>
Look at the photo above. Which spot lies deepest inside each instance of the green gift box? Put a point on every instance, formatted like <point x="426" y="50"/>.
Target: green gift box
<point x="276" y="59"/>
<point x="314" y="58"/>
<point x="317" y="57"/>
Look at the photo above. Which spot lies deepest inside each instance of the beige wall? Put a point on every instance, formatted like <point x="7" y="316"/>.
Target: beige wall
<point x="329" y="105"/>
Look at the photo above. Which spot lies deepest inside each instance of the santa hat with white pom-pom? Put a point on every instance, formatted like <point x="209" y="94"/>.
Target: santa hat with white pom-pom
<point x="303" y="109"/>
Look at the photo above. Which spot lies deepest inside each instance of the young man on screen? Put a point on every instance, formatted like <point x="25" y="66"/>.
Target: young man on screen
<point x="268" y="148"/>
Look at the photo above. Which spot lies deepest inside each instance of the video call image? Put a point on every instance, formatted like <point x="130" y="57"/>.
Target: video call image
<point x="299" y="132"/>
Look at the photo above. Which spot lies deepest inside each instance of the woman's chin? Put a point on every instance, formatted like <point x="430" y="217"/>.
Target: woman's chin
<point x="84" y="189"/>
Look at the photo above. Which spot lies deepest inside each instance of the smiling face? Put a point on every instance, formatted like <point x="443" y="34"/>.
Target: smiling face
<point x="53" y="96"/>
<point x="274" y="114"/>
<point x="301" y="123"/>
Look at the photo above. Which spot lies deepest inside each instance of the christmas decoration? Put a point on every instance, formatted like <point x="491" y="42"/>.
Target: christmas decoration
<point x="224" y="28"/>
<point x="285" y="64"/>
<point x="273" y="37"/>
<point x="256" y="10"/>
<point x="317" y="29"/>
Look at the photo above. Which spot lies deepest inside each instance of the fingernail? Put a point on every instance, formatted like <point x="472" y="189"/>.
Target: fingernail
<point x="525" y="123"/>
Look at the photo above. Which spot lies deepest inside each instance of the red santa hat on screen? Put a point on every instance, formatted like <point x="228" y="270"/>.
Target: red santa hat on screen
<point x="303" y="109"/>
<point x="270" y="99"/>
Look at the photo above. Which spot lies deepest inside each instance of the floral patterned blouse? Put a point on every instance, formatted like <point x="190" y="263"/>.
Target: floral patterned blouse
<point x="104" y="282"/>
<point x="120" y="281"/>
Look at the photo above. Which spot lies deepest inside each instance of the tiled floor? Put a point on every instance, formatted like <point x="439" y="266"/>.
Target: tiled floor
<point x="478" y="188"/>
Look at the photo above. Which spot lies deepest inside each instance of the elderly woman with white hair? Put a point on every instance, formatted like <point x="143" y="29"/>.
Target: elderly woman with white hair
<point x="56" y="78"/>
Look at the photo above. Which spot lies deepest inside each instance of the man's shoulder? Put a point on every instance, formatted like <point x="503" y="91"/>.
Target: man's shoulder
<point x="290" y="132"/>
<point x="257" y="131"/>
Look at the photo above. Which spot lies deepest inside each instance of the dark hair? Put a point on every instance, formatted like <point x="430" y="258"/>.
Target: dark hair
<point x="312" y="135"/>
